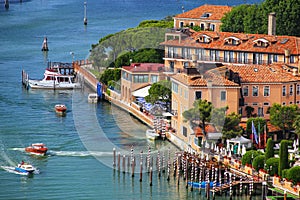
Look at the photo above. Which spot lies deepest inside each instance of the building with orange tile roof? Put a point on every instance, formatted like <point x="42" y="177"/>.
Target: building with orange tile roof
<point x="186" y="48"/>
<point x="139" y="75"/>
<point x="207" y="17"/>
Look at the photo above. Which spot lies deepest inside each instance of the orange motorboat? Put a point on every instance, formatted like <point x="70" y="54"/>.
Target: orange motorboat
<point x="60" y="108"/>
<point x="37" y="149"/>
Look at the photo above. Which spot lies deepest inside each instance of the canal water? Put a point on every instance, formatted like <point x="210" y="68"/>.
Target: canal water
<point x="79" y="163"/>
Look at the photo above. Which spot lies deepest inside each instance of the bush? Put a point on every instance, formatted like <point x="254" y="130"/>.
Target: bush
<point x="293" y="174"/>
<point x="283" y="155"/>
<point x="274" y="162"/>
<point x="269" y="149"/>
<point x="284" y="173"/>
<point x="249" y="156"/>
<point x="258" y="162"/>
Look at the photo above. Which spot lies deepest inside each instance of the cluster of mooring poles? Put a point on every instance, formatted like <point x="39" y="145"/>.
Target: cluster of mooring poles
<point x="199" y="173"/>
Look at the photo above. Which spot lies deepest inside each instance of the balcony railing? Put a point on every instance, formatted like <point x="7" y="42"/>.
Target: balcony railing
<point x="217" y="59"/>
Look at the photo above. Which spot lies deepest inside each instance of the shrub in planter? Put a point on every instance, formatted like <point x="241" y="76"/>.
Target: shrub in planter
<point x="274" y="162"/>
<point x="293" y="174"/>
<point x="258" y="162"/>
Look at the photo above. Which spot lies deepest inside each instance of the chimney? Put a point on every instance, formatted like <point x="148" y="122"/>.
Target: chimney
<point x="272" y="24"/>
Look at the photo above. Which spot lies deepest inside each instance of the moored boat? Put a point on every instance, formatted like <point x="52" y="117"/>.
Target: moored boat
<point x="152" y="134"/>
<point x="60" y="108"/>
<point x="58" y="76"/>
<point x="93" y="98"/>
<point x="37" y="149"/>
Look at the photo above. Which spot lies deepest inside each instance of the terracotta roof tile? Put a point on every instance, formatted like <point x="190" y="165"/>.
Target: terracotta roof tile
<point x="216" y="12"/>
<point x="213" y="76"/>
<point x="276" y="44"/>
<point x="275" y="73"/>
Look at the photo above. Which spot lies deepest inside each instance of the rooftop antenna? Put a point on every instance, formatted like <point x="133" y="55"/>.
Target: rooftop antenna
<point x="85" y="18"/>
<point x="182" y="9"/>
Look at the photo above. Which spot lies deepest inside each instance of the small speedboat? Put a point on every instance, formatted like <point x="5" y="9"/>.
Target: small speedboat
<point x="60" y="108"/>
<point x="25" y="168"/>
<point x="152" y="134"/>
<point x="37" y="149"/>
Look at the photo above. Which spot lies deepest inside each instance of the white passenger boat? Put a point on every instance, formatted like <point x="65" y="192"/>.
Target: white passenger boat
<point x="151" y="134"/>
<point x="53" y="79"/>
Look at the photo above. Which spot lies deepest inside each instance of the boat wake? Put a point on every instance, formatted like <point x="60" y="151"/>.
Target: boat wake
<point x="79" y="153"/>
<point x="71" y="153"/>
<point x="12" y="170"/>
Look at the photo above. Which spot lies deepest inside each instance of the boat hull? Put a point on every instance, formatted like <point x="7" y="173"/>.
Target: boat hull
<point x="39" y="84"/>
<point x="41" y="152"/>
<point x="151" y="134"/>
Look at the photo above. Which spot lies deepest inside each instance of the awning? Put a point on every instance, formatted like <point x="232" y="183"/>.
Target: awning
<point x="141" y="92"/>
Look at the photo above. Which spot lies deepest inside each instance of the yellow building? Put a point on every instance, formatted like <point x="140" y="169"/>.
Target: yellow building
<point x="207" y="17"/>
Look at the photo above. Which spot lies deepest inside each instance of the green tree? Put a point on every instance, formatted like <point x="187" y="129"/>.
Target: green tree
<point x="233" y="21"/>
<point x="294" y="174"/>
<point x="259" y="162"/>
<point x="231" y="127"/>
<point x="296" y="126"/>
<point x="272" y="166"/>
<point x="218" y="117"/>
<point x="110" y="75"/>
<point x="283" y="117"/>
<point x="160" y="91"/>
<point x="269" y="149"/>
<point x="249" y="156"/>
<point x="283" y="155"/>
<point x="200" y="113"/>
<point x="254" y="18"/>
<point x="249" y="110"/>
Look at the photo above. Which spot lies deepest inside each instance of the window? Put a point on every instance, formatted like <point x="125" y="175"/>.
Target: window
<point x="260" y="111"/>
<point x="185" y="94"/>
<point x="223" y="95"/>
<point x="212" y="27"/>
<point x="184" y="131"/>
<point x="292" y="59"/>
<point x="186" y="52"/>
<point x="140" y="78"/>
<point x="298" y="89"/>
<point x="171" y="53"/>
<point x="181" y="24"/>
<point x="266" y="103"/>
<point x="198" y="95"/>
<point x="200" y="53"/>
<point x="202" y="26"/>
<point x="298" y="102"/>
<point x="175" y="87"/>
<point x="275" y="58"/>
<point x="154" y="78"/>
<point x="245" y="91"/>
<point x="291" y="89"/>
<point x="254" y="104"/>
<point x="283" y="103"/>
<point x="255" y="91"/>
<point x="283" y="90"/>
<point x="186" y="64"/>
<point x="266" y="91"/>
<point x="291" y="102"/>
<point x="191" y="24"/>
<point x="226" y="56"/>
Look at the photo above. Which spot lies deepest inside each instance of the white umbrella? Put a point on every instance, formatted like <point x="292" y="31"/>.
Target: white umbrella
<point x="229" y="154"/>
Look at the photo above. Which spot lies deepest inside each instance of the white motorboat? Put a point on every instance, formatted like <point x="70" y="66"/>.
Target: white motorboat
<point x="24" y="168"/>
<point x="54" y="80"/>
<point x="56" y="76"/>
<point x="152" y="134"/>
<point x="93" y="98"/>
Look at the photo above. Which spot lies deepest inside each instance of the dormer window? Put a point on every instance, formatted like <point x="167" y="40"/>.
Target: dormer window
<point x="206" y="15"/>
<point x="261" y="43"/>
<point x="204" y="39"/>
<point x="232" y="41"/>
